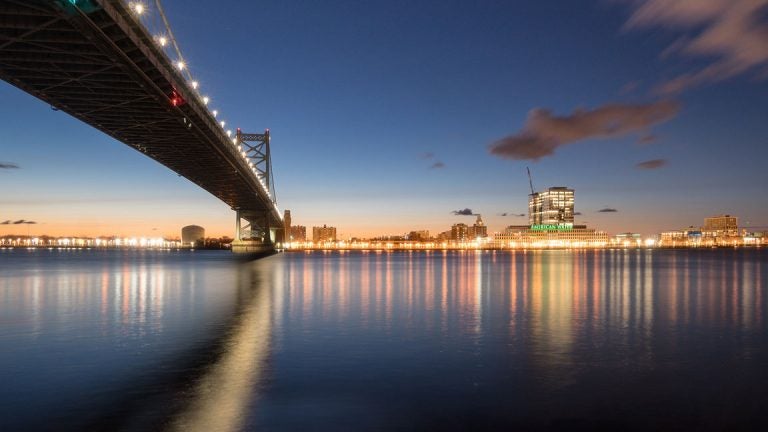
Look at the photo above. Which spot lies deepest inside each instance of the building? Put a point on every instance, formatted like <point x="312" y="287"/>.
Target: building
<point x="298" y="233"/>
<point x="721" y="226"/>
<point x="552" y="207"/>
<point x="550" y="235"/>
<point x="287" y="226"/>
<point x="323" y="234"/>
<point x="479" y="229"/>
<point x="460" y="232"/>
<point x="191" y="234"/>
<point x="422" y="235"/>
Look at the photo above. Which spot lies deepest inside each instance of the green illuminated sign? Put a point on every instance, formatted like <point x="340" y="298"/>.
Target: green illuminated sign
<point x="552" y="227"/>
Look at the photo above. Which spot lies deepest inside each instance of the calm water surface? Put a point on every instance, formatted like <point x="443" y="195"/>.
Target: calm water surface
<point x="549" y="340"/>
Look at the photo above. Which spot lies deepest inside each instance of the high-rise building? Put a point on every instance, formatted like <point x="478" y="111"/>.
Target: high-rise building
<point x="287" y="225"/>
<point x="323" y="234"/>
<point x="479" y="229"/>
<point x="551" y="207"/>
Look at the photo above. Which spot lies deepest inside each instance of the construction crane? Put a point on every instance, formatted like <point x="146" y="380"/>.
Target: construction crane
<point x="529" y="180"/>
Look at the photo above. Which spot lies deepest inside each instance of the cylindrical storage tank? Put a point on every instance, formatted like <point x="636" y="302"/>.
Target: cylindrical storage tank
<point x="190" y="234"/>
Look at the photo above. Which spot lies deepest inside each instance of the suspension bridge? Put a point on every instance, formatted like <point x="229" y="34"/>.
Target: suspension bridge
<point x="100" y="62"/>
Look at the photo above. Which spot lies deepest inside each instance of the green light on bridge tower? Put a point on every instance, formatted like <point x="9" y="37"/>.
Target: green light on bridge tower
<point x="86" y="6"/>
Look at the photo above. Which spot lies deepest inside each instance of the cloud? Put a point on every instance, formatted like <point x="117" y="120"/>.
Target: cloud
<point x="647" y="139"/>
<point x="651" y="164"/>
<point x="5" y="222"/>
<point x="437" y="164"/>
<point x="577" y="213"/>
<point x="8" y="165"/>
<point x="608" y="210"/>
<point x="513" y="214"/>
<point x="464" y="212"/>
<point x="733" y="33"/>
<point x="21" y="222"/>
<point x="629" y="87"/>
<point x="544" y="132"/>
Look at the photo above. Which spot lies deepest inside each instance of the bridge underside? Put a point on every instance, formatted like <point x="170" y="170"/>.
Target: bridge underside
<point x="101" y="66"/>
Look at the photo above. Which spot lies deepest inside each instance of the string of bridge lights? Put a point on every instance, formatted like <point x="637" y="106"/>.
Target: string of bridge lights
<point x="139" y="10"/>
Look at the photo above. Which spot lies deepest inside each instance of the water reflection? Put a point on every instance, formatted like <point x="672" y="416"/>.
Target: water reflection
<point x="111" y="340"/>
<point x="551" y="331"/>
<point x="440" y="340"/>
<point x="221" y="396"/>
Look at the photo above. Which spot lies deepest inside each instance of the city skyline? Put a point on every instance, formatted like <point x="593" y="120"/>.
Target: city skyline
<point x="625" y="113"/>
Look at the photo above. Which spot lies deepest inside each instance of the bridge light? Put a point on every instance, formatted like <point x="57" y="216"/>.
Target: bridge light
<point x="222" y="123"/>
<point x="215" y="113"/>
<point x="229" y="133"/>
<point x="206" y="99"/>
<point x="137" y="7"/>
<point x="180" y="65"/>
<point x="162" y="40"/>
<point x="195" y="84"/>
<point x="176" y="99"/>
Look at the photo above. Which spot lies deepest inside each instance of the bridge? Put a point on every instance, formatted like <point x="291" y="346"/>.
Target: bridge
<point x="97" y="61"/>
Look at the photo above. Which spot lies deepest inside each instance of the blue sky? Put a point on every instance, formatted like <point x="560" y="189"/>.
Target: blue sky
<point x="357" y="95"/>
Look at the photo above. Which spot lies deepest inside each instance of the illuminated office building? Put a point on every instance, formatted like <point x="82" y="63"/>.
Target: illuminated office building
<point x="551" y="207"/>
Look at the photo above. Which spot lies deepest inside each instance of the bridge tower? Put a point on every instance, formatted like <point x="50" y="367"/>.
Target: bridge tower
<point x="257" y="233"/>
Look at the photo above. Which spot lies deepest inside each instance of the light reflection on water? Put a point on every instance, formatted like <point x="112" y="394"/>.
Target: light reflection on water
<point x="459" y="340"/>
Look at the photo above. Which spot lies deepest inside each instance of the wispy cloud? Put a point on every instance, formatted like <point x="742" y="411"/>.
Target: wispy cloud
<point x="463" y="212"/>
<point x="629" y="87"/>
<point x="608" y="210"/>
<point x="513" y="214"/>
<point x="18" y="222"/>
<point x="577" y="213"/>
<point x="651" y="164"/>
<point x="437" y="165"/>
<point x="8" y="165"/>
<point x="732" y="33"/>
<point x="544" y="132"/>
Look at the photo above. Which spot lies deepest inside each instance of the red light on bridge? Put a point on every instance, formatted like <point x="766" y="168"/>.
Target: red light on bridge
<point x="176" y="99"/>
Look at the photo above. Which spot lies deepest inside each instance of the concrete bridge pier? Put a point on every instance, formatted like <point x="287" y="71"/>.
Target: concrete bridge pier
<point x="256" y="235"/>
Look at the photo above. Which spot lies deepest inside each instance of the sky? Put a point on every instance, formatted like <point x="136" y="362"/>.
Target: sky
<point x="389" y="116"/>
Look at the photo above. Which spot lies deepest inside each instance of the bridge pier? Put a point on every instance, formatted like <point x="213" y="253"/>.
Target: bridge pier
<point x="256" y="236"/>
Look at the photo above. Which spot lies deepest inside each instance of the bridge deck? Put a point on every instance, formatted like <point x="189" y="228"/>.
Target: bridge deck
<point x="103" y="68"/>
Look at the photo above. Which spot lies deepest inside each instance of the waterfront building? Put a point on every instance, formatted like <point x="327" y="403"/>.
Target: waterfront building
<point x="323" y="234"/>
<point x="550" y="235"/>
<point x="422" y="235"/>
<point x="552" y="206"/>
<point x="627" y="239"/>
<point x="287" y="226"/>
<point x="191" y="234"/>
<point x="460" y="232"/>
<point x="479" y="229"/>
<point x="298" y="233"/>
<point x="717" y="228"/>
